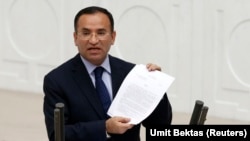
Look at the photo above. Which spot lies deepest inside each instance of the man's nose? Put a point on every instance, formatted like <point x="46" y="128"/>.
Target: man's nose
<point x="93" y="38"/>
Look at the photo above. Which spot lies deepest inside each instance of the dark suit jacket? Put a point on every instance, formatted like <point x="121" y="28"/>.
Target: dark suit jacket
<point x="71" y="84"/>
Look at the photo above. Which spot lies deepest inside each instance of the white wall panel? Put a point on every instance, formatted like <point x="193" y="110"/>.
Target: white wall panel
<point x="227" y="72"/>
<point x="30" y="40"/>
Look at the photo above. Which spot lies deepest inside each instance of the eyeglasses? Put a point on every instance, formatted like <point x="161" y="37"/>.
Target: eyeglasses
<point x="102" y="35"/>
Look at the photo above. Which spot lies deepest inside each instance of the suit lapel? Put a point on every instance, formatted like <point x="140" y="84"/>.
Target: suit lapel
<point x="116" y="80"/>
<point x="119" y="70"/>
<point x="83" y="79"/>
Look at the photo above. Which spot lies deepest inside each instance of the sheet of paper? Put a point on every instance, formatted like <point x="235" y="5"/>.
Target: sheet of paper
<point x="140" y="93"/>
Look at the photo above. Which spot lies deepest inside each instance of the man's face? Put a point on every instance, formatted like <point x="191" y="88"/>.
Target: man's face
<point x="94" y="37"/>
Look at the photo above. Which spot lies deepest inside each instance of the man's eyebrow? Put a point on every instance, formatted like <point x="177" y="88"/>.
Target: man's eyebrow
<point x="84" y="29"/>
<point x="102" y="29"/>
<point x="98" y="30"/>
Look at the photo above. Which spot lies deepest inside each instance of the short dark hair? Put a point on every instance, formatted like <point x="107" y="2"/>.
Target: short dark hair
<point x="93" y="10"/>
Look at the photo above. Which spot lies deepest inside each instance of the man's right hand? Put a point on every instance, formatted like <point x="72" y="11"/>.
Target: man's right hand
<point x="118" y="125"/>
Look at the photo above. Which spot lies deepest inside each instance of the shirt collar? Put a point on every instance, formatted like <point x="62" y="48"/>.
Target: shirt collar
<point x="90" y="67"/>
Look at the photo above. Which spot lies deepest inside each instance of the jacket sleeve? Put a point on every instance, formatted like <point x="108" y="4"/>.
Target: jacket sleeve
<point x="162" y="115"/>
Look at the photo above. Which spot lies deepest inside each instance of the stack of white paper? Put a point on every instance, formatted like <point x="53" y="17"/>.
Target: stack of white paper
<point x="140" y="93"/>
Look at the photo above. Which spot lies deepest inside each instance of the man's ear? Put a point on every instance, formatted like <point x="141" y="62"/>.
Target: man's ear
<point x="75" y="38"/>
<point x="113" y="37"/>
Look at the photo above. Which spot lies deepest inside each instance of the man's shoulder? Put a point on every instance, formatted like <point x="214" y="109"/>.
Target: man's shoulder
<point x="120" y="62"/>
<point x="64" y="67"/>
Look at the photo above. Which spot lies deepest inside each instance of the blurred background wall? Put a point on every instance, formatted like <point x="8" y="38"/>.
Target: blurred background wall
<point x="204" y="44"/>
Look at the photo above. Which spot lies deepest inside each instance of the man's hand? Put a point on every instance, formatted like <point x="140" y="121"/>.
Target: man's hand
<point x="118" y="125"/>
<point x="153" y="67"/>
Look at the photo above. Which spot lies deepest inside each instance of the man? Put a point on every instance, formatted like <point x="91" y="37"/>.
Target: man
<point x="73" y="83"/>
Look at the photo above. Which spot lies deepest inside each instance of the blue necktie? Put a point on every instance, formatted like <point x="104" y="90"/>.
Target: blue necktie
<point x="101" y="89"/>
